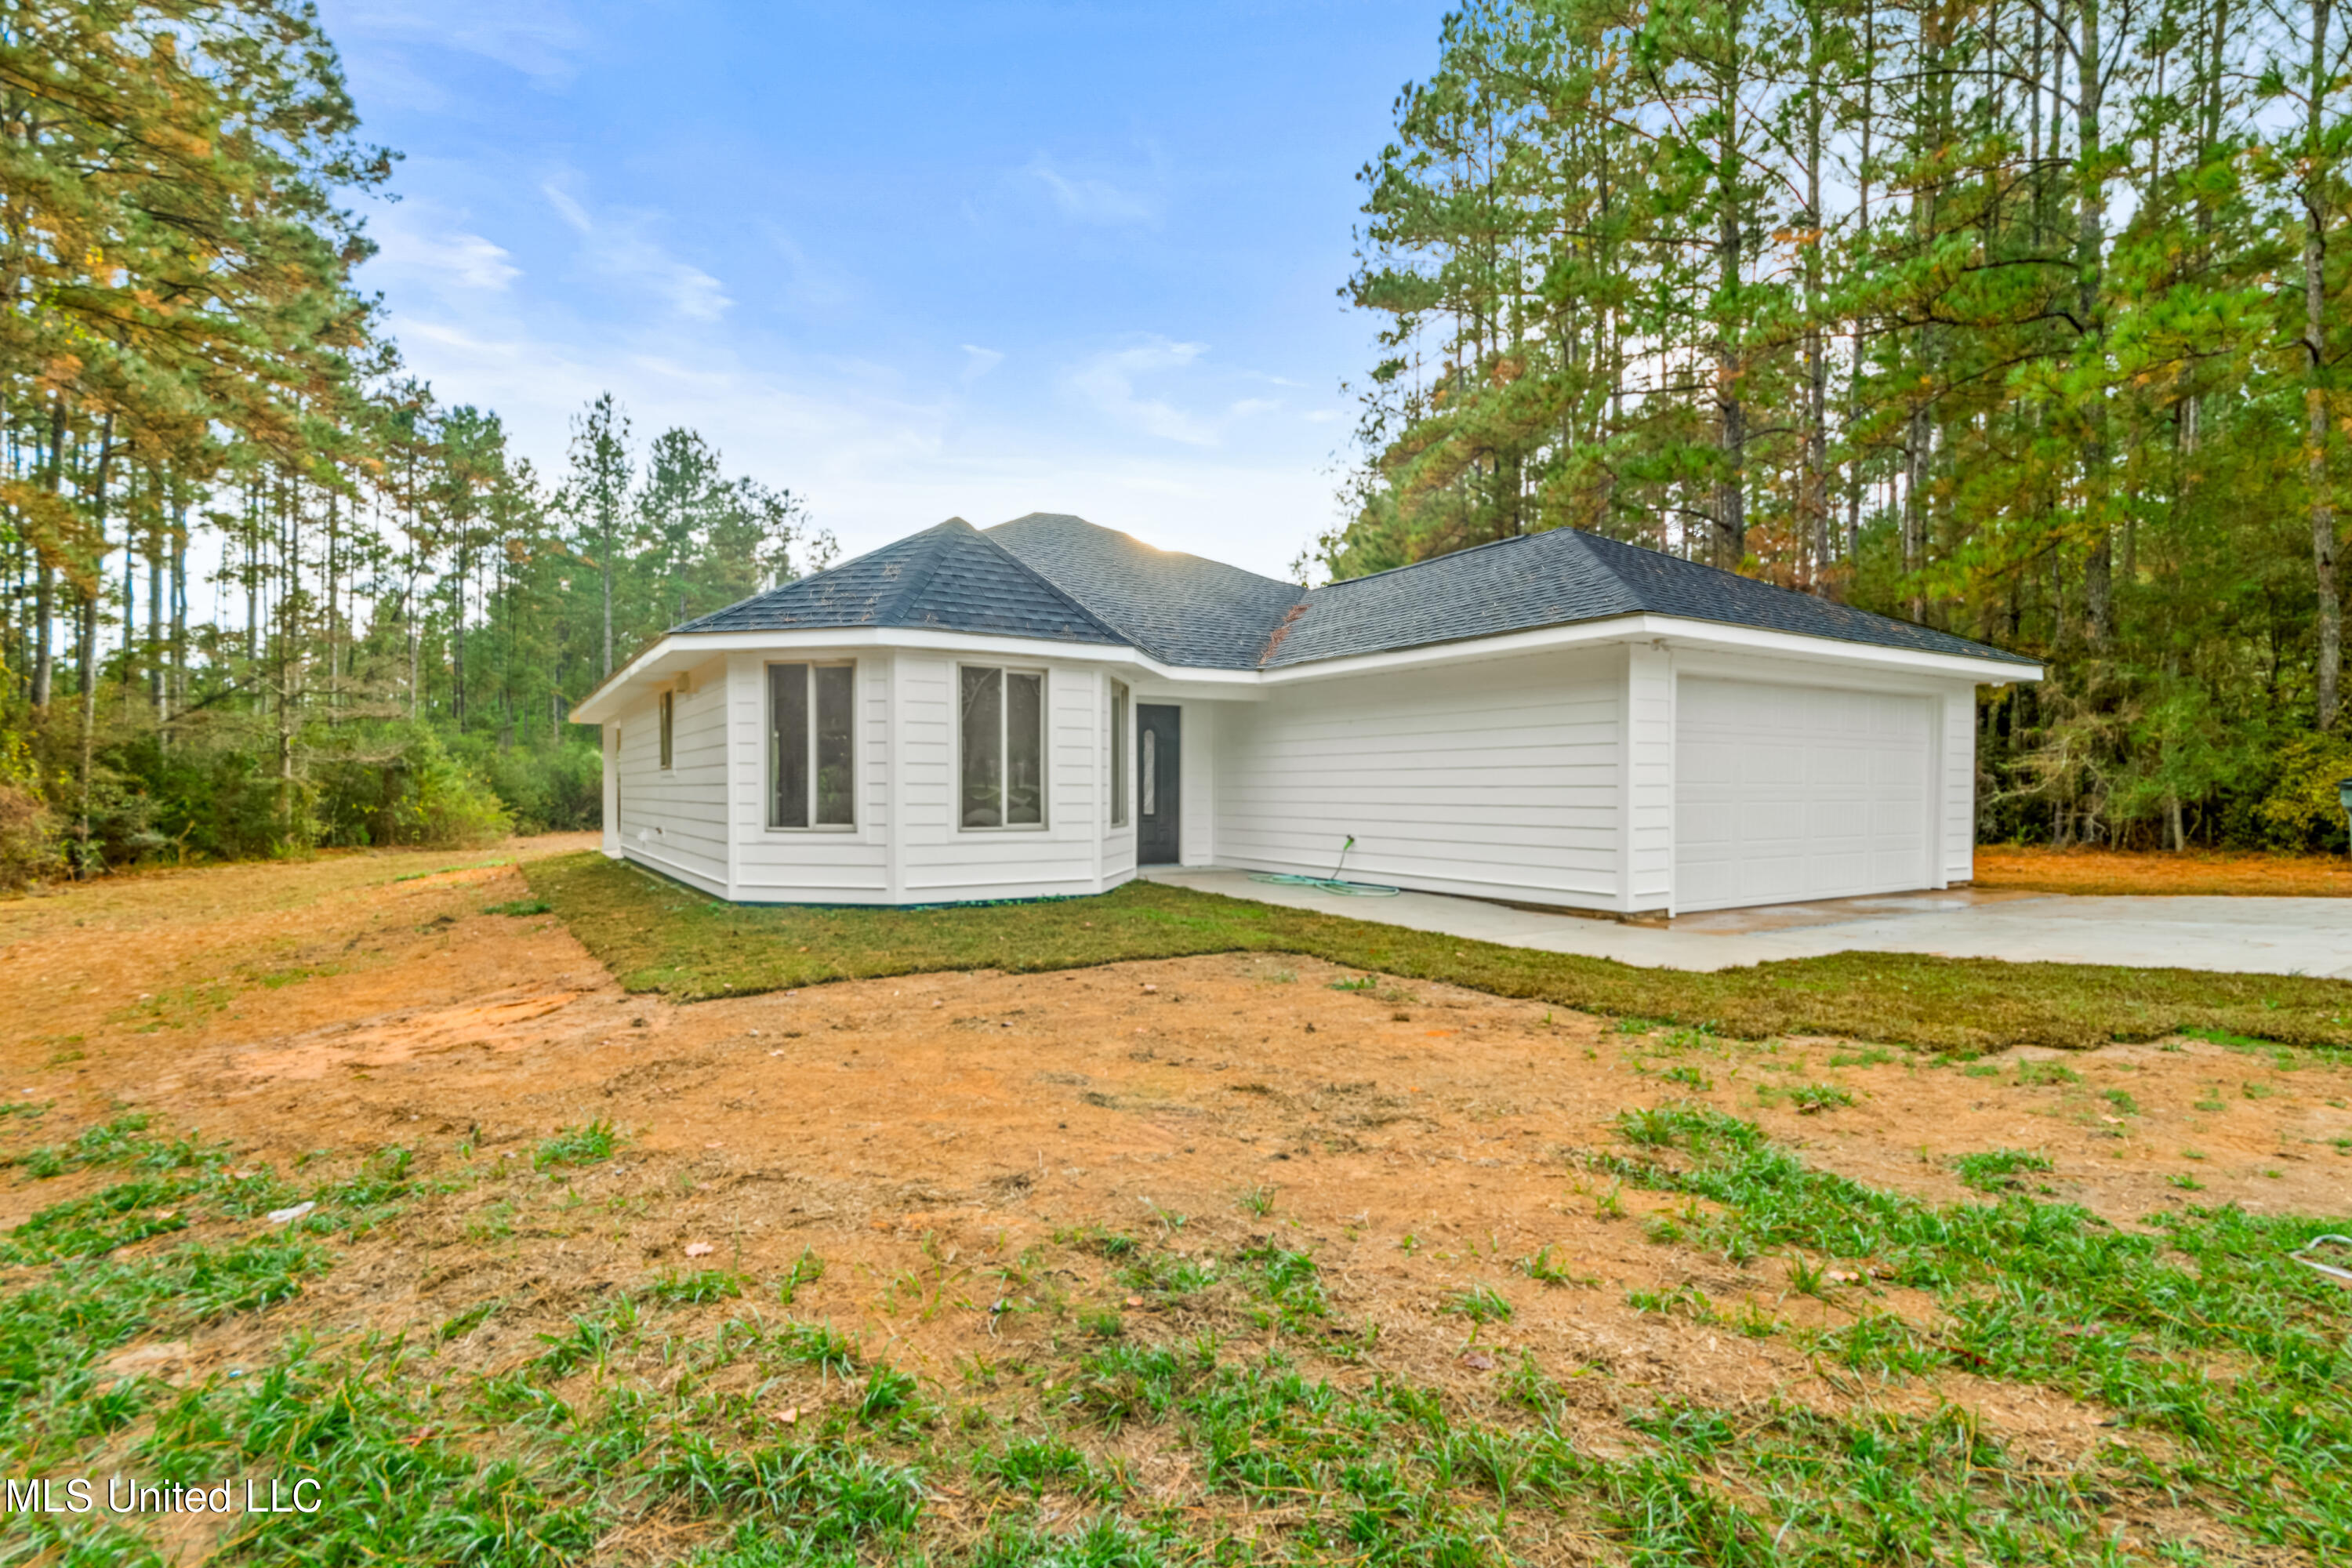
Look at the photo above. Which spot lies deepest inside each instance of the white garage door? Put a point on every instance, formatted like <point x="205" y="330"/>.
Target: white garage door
<point x="1784" y="792"/>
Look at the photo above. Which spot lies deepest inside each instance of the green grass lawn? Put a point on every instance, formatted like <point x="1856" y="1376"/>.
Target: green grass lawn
<point x="716" y="1420"/>
<point x="661" y="937"/>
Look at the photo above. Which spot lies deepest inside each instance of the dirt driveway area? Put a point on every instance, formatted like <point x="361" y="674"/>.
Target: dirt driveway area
<point x="922" y="1133"/>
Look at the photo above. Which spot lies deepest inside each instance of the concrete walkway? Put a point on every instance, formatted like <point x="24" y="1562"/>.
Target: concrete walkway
<point x="2261" y="936"/>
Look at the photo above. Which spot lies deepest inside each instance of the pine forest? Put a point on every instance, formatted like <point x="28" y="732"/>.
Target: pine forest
<point x="2021" y="318"/>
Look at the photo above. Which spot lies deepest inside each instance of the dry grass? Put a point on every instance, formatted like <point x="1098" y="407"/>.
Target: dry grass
<point x="2232" y="873"/>
<point x="1233" y="1259"/>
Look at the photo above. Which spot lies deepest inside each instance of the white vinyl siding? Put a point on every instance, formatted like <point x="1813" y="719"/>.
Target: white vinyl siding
<point x="798" y="866"/>
<point x="1648" y="776"/>
<point x="1638" y="778"/>
<point x="940" y="862"/>
<point x="674" y="818"/>
<point x="1496" y="780"/>
<point x="1959" y="834"/>
<point x="1790" y="792"/>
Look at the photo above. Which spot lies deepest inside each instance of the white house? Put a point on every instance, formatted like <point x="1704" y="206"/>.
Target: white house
<point x="1039" y="708"/>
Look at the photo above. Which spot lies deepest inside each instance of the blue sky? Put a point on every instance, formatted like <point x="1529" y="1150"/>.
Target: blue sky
<point x="912" y="262"/>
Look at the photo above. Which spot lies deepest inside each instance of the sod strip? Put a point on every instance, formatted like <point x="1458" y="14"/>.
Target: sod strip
<point x="658" y="936"/>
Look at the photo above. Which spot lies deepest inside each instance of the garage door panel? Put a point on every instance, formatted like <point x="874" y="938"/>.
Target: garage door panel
<point x="1710" y="703"/>
<point x="1840" y="869"/>
<point x="1699" y="823"/>
<point x="1831" y="824"/>
<point x="1840" y="766"/>
<point x="1773" y="822"/>
<point x="1711" y="763"/>
<point x="1784" y="792"/>
<point x="1768" y="880"/>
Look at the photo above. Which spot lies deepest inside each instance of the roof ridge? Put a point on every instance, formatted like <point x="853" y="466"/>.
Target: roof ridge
<point x="1140" y="544"/>
<point x="934" y="540"/>
<point x="1449" y="555"/>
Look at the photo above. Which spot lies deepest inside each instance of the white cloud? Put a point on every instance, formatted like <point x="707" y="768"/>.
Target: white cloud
<point x="569" y="211"/>
<point x="616" y="244"/>
<point x="449" y="258"/>
<point x="1108" y="382"/>
<point x="1088" y="199"/>
<point x="978" y="362"/>
<point x="875" y="467"/>
<point x="1250" y="407"/>
<point x="536" y="37"/>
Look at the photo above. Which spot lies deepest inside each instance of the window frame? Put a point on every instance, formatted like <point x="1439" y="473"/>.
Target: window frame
<point x="1122" y="722"/>
<point x="1004" y="747"/>
<point x="668" y="708"/>
<point x="768" y="750"/>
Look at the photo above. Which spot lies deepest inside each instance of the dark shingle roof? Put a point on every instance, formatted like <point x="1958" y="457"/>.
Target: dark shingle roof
<point x="952" y="576"/>
<point x="1563" y="577"/>
<point x="1179" y="609"/>
<point x="1059" y="577"/>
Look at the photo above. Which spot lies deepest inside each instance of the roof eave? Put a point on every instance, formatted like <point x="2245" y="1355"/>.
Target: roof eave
<point x="1680" y="630"/>
<point x="678" y="651"/>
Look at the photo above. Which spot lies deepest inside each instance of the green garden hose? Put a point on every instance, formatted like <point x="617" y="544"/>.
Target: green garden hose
<point x="1334" y="883"/>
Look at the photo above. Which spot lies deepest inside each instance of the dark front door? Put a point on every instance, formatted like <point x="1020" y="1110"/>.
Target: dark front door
<point x="1156" y="775"/>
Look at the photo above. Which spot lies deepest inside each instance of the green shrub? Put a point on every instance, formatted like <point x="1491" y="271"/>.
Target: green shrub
<point x="28" y="838"/>
<point x="441" y="804"/>
<point x="546" y="788"/>
<point x="2303" y="810"/>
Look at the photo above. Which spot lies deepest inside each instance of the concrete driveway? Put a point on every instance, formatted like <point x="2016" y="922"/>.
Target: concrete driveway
<point x="2260" y="936"/>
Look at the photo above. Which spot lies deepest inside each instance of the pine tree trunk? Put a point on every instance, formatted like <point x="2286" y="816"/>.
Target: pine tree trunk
<point x="2090" y="242"/>
<point x="179" y="616"/>
<point x="45" y="610"/>
<point x="2314" y="396"/>
<point x="154" y="654"/>
<point x="1815" y="523"/>
<point x="90" y="639"/>
<point x="1730" y="489"/>
<point x="606" y="554"/>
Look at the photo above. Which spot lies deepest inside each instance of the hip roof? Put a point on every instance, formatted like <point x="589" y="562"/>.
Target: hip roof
<point x="1061" y="578"/>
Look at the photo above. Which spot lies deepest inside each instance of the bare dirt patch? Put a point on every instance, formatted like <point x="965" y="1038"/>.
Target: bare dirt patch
<point x="931" y="1136"/>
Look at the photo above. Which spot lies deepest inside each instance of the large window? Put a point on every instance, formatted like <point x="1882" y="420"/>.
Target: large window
<point x="812" y="764"/>
<point x="1119" y="753"/>
<point x="1002" y="726"/>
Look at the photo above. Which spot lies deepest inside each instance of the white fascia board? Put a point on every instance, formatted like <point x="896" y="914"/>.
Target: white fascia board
<point x="683" y="650"/>
<point x="1677" y="631"/>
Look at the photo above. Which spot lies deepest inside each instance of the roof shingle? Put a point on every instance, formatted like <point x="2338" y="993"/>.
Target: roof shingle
<point x="1563" y="577"/>
<point x="1061" y="578"/>
<point x="951" y="576"/>
<point x="1181" y="609"/>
